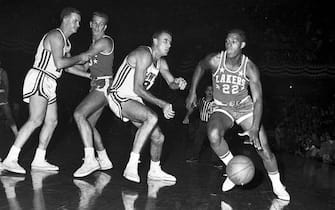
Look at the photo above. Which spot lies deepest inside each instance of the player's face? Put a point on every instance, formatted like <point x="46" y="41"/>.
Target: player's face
<point x="209" y="92"/>
<point x="74" y="22"/>
<point x="164" y="43"/>
<point x="98" y="25"/>
<point x="233" y="44"/>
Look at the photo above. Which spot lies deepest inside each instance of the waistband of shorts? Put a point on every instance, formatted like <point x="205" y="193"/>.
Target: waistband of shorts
<point x="103" y="77"/>
<point x="47" y="73"/>
<point x="231" y="103"/>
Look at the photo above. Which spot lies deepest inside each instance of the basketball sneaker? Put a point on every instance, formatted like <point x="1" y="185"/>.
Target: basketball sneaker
<point x="13" y="166"/>
<point x="43" y="165"/>
<point x="227" y="185"/>
<point x="105" y="163"/>
<point x="131" y="173"/>
<point x="281" y="192"/>
<point x="159" y="174"/>
<point x="88" y="167"/>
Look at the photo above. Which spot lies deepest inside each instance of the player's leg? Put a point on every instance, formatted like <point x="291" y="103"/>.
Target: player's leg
<point x="37" y="110"/>
<point x="218" y="124"/>
<point x="155" y="171"/>
<point x="269" y="160"/>
<point x="9" y="116"/>
<point x="147" y="119"/>
<point x="49" y="125"/>
<point x="90" y="104"/>
<point x="103" y="158"/>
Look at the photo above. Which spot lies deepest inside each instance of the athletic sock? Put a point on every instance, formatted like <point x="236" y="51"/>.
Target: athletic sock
<point x="40" y="154"/>
<point x="226" y="157"/>
<point x="14" y="153"/>
<point x="275" y="178"/>
<point x="134" y="157"/>
<point x="89" y="153"/>
<point x="102" y="154"/>
<point x="154" y="165"/>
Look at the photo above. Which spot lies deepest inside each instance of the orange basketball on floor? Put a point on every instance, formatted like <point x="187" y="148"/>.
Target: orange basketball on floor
<point x="240" y="170"/>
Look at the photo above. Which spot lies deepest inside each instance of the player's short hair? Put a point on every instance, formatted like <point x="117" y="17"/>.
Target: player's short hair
<point x="101" y="14"/>
<point x="159" y="32"/>
<point x="68" y="11"/>
<point x="240" y="32"/>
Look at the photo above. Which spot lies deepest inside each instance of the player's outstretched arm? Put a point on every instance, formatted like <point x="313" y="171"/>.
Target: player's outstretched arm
<point x="174" y="83"/>
<point x="55" y="42"/>
<point x="143" y="60"/>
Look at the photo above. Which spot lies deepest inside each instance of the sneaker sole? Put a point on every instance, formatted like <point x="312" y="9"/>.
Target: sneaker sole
<point x="131" y="178"/>
<point x="44" y="168"/>
<point x="13" y="170"/>
<point x="106" y="168"/>
<point x="87" y="173"/>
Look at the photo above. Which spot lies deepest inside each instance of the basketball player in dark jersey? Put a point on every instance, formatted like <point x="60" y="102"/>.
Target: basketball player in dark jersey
<point x="39" y="90"/>
<point x="126" y="99"/>
<point x="89" y="110"/>
<point x="232" y="74"/>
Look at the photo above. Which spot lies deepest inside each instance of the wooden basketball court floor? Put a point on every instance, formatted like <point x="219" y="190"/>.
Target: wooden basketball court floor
<point x="310" y="183"/>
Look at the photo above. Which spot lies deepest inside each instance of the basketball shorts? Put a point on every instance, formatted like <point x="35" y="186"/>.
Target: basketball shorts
<point x="3" y="98"/>
<point x="41" y="83"/>
<point x="237" y="111"/>
<point x="101" y="83"/>
<point x="115" y="99"/>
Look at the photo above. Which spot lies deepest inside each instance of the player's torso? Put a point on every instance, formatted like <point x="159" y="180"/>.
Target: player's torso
<point x="125" y="76"/>
<point x="44" y="60"/>
<point x="101" y="64"/>
<point x="230" y="84"/>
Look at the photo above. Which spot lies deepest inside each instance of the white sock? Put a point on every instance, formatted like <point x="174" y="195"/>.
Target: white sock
<point x="102" y="154"/>
<point x="275" y="178"/>
<point x="134" y="157"/>
<point x="89" y="153"/>
<point x="14" y="153"/>
<point x="226" y="157"/>
<point x="39" y="154"/>
<point x="155" y="165"/>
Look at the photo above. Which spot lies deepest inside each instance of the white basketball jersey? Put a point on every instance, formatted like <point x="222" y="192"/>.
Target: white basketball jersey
<point x="44" y="60"/>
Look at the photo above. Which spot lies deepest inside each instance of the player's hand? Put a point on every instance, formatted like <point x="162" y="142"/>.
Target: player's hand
<point x="253" y="137"/>
<point x="181" y="83"/>
<point x="84" y="57"/>
<point x="168" y="111"/>
<point x="191" y="101"/>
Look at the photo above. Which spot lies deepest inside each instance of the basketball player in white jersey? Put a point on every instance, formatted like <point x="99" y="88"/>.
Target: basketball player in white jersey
<point x="232" y="74"/>
<point x="130" y="87"/>
<point x="39" y="90"/>
<point x="89" y="110"/>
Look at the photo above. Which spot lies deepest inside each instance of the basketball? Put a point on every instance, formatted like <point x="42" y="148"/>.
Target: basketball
<point x="240" y="170"/>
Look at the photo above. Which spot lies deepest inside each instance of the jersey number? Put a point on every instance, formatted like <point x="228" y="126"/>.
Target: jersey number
<point x="229" y="89"/>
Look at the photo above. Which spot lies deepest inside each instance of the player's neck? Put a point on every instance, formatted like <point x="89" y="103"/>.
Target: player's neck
<point x="96" y="37"/>
<point x="234" y="60"/>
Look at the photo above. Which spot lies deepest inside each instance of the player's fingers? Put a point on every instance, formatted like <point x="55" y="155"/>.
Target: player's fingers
<point x="243" y="134"/>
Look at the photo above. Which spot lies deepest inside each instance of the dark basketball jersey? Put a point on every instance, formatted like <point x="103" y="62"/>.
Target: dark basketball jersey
<point x="102" y="63"/>
<point x="229" y="85"/>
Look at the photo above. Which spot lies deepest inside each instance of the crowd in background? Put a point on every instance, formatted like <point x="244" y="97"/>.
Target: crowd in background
<point x="307" y="128"/>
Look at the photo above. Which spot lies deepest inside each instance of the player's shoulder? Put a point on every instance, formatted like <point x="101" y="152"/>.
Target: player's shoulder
<point x="54" y="34"/>
<point x="142" y="51"/>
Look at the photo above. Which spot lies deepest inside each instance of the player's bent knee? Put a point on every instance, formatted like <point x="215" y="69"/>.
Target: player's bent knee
<point x="152" y="118"/>
<point x="214" y="135"/>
